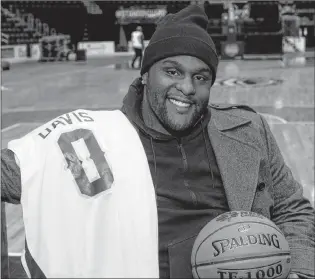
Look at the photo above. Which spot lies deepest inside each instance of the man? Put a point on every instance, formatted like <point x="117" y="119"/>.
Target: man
<point x="201" y="161"/>
<point x="137" y="40"/>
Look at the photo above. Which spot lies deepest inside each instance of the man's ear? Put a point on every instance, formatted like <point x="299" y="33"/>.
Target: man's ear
<point x="144" y="78"/>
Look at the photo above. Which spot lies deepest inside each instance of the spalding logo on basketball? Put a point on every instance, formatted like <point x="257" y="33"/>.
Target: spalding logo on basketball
<point x="241" y="245"/>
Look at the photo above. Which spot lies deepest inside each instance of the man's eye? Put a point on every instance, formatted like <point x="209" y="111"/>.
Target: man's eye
<point x="199" y="77"/>
<point x="172" y="72"/>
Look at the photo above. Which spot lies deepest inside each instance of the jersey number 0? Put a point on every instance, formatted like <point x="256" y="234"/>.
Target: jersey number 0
<point x="83" y="163"/>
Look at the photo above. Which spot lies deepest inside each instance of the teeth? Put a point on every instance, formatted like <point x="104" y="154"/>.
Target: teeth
<point x="178" y="103"/>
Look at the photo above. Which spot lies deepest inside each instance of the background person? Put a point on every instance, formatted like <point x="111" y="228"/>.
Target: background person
<point x="137" y="40"/>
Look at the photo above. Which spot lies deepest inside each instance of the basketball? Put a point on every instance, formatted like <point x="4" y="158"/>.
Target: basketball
<point x="242" y="245"/>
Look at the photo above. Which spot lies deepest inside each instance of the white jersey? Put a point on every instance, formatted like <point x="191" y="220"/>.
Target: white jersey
<point x="88" y="199"/>
<point x="136" y="39"/>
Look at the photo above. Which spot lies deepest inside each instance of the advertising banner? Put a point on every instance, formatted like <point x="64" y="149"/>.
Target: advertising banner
<point x="97" y="48"/>
<point x="140" y="15"/>
<point x="18" y="53"/>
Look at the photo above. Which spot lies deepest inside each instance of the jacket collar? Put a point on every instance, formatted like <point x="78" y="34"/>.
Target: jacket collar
<point x="237" y="157"/>
<point x="224" y="120"/>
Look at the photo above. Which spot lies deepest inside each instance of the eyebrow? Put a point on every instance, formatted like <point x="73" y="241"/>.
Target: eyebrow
<point x="199" y="70"/>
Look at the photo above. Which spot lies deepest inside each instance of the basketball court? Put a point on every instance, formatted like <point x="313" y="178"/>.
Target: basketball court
<point x="34" y="93"/>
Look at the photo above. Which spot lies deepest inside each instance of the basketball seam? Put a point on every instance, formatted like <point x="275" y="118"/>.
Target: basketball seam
<point x="267" y="255"/>
<point x="252" y="267"/>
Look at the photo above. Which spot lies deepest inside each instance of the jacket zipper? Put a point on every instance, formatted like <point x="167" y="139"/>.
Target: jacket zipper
<point x="192" y="194"/>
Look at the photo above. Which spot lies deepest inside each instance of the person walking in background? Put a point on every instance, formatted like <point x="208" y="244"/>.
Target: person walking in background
<point x="137" y="40"/>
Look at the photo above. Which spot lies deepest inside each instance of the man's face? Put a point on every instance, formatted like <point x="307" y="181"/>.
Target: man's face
<point x="178" y="91"/>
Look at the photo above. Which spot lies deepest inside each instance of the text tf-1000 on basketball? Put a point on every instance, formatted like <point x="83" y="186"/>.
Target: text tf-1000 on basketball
<point x="263" y="272"/>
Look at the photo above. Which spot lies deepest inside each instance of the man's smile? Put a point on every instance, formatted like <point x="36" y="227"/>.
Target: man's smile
<point x="180" y="102"/>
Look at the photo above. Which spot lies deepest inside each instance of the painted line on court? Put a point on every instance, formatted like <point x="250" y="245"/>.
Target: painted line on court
<point x="66" y="109"/>
<point x="305" y="123"/>
<point x="111" y="66"/>
<point x="10" y="127"/>
<point x="273" y="119"/>
<point x="22" y="124"/>
<point x="301" y="122"/>
<point x="15" y="254"/>
<point x="286" y="106"/>
<point x="3" y="88"/>
<point x="276" y="120"/>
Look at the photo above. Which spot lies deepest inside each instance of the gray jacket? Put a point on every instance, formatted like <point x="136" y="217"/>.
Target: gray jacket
<point x="256" y="178"/>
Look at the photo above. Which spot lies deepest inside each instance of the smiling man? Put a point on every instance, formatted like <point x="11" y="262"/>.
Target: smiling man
<point x="112" y="194"/>
<point x="176" y="93"/>
<point x="189" y="159"/>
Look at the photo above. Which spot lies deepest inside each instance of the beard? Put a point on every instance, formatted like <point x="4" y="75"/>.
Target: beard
<point x="172" y="118"/>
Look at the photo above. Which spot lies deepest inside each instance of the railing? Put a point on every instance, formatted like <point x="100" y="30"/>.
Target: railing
<point x="28" y="22"/>
<point x="4" y="38"/>
<point x="92" y="7"/>
<point x="38" y="26"/>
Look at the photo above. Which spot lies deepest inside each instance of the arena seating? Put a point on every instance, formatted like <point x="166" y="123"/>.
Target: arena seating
<point x="214" y="13"/>
<point x="17" y="34"/>
<point x="265" y="18"/>
<point x="75" y="18"/>
<point x="53" y="15"/>
<point x="306" y="10"/>
<point x="263" y="24"/>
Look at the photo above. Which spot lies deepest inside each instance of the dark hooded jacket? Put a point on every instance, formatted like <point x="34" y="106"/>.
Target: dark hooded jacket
<point x="188" y="185"/>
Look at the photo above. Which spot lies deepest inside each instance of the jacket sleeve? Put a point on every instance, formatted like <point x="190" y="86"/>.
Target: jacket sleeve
<point x="292" y="213"/>
<point x="10" y="178"/>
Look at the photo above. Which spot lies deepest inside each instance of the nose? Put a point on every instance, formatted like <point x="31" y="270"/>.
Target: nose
<point x="186" y="86"/>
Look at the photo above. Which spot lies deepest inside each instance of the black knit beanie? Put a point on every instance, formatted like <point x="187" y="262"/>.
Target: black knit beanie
<point x="183" y="33"/>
